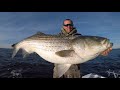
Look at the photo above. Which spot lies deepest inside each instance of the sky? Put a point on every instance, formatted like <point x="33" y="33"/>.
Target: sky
<point x="15" y="26"/>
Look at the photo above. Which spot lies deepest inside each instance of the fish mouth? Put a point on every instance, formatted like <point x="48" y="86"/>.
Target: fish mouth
<point x="111" y="44"/>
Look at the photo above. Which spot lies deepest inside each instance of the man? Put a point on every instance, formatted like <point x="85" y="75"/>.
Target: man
<point x="68" y="29"/>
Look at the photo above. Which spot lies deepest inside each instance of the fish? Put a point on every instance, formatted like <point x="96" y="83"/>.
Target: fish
<point x="61" y="50"/>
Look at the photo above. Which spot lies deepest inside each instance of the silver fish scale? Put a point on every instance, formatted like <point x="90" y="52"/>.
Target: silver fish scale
<point x="55" y="45"/>
<point x="47" y="44"/>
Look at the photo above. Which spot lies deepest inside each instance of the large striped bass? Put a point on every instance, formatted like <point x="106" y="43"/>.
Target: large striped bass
<point x="63" y="51"/>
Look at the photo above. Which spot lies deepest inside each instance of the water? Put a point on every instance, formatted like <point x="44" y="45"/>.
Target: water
<point x="107" y="66"/>
<point x="34" y="66"/>
<point x="31" y="67"/>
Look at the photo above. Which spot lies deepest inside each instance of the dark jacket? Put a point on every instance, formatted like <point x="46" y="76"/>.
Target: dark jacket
<point x="72" y="33"/>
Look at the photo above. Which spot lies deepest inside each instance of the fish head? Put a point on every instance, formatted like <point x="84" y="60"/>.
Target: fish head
<point x="100" y="44"/>
<point x="90" y="46"/>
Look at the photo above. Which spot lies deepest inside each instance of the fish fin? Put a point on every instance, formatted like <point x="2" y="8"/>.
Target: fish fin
<point x="61" y="69"/>
<point x="40" y="33"/>
<point x="64" y="53"/>
<point x="13" y="45"/>
<point x="24" y="53"/>
<point x="15" y="50"/>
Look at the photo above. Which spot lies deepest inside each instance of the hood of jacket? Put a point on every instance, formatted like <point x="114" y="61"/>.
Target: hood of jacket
<point x="63" y="31"/>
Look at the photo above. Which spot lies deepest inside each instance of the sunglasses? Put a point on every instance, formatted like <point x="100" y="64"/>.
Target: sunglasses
<point x="67" y="25"/>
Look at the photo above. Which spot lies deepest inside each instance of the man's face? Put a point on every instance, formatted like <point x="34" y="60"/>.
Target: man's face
<point x="68" y="26"/>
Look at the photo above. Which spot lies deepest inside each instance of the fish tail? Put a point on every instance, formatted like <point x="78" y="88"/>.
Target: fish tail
<point x="15" y="50"/>
<point x="13" y="45"/>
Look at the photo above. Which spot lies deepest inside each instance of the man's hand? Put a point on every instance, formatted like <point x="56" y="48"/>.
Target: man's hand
<point x="105" y="53"/>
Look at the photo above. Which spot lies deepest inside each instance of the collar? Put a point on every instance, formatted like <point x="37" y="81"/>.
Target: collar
<point x="70" y="33"/>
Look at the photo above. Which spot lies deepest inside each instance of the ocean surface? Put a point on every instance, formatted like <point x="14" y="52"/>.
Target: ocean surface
<point x="34" y="66"/>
